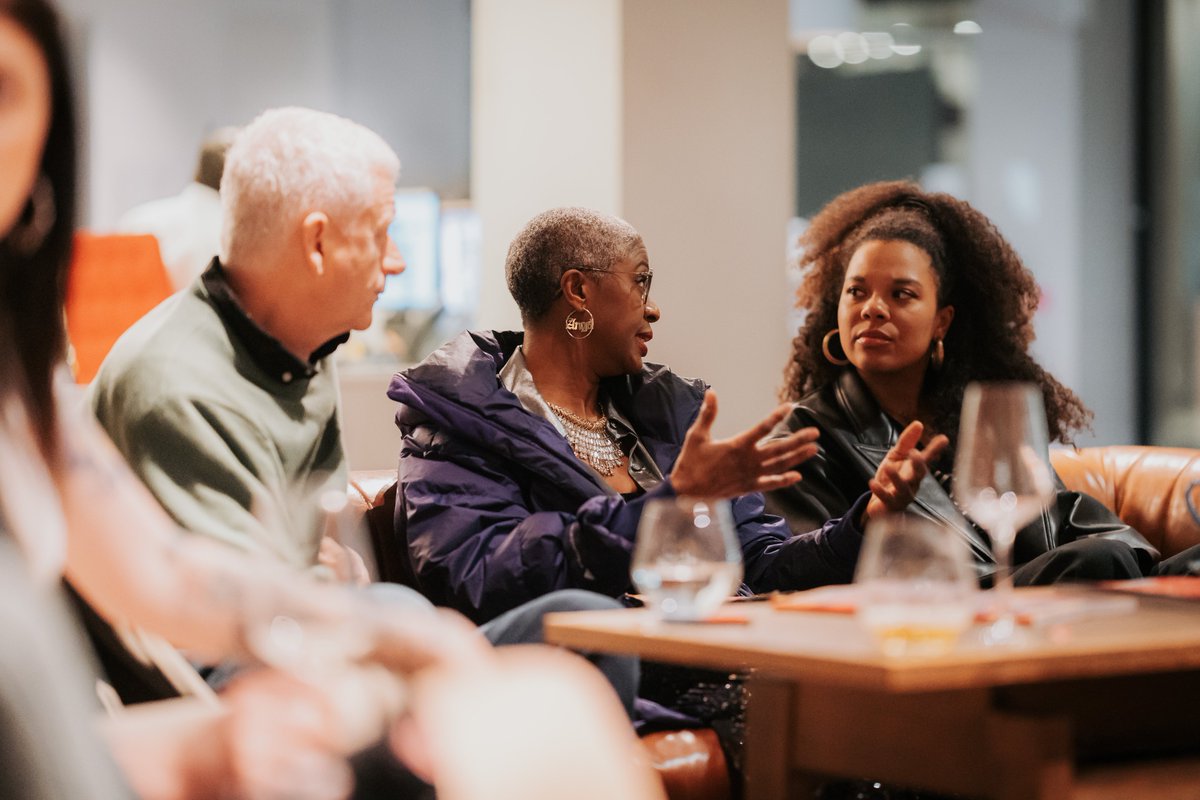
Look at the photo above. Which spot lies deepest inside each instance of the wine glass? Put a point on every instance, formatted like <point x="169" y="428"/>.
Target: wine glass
<point x="315" y="644"/>
<point x="687" y="560"/>
<point x="1002" y="476"/>
<point x="918" y="585"/>
<point x="320" y="645"/>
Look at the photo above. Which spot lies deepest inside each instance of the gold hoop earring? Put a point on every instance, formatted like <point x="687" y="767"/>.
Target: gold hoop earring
<point x="27" y="236"/>
<point x="838" y="362"/>
<point x="938" y="355"/>
<point x="577" y="326"/>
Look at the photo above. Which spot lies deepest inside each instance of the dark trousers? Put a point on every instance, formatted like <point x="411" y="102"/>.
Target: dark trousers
<point x="1093" y="559"/>
<point x="1186" y="562"/>
<point x="1086" y="559"/>
<point x="523" y="625"/>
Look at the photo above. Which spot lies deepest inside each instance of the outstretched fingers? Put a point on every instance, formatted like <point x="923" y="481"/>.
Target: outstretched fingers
<point x="791" y="450"/>
<point x="899" y="476"/>
<point x="702" y="427"/>
<point x="893" y="487"/>
<point x="887" y="494"/>
<point x="764" y="427"/>
<point x="743" y="463"/>
<point x="935" y="447"/>
<point x="899" y="487"/>
<point x="909" y="438"/>
<point x="768" y="483"/>
<point x="791" y="456"/>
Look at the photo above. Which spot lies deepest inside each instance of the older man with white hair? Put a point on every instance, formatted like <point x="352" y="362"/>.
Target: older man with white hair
<point x="224" y="398"/>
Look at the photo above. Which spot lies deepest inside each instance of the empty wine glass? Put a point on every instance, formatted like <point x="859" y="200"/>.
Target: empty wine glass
<point x="1002" y="476"/>
<point x="317" y="644"/>
<point x="687" y="560"/>
<point x="918" y="585"/>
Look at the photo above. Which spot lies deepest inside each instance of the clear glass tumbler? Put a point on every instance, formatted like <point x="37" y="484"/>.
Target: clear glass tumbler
<point x="919" y="587"/>
<point x="687" y="560"/>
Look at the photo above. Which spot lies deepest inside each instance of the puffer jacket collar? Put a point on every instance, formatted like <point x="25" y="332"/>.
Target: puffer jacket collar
<point x="457" y="388"/>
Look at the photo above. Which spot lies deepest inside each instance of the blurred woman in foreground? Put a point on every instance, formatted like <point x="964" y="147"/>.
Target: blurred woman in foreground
<point x="69" y="506"/>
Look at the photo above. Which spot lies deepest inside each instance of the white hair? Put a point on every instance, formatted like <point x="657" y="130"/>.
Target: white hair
<point x="288" y="163"/>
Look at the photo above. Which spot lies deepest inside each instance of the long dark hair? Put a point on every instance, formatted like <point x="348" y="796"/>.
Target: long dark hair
<point x="33" y="284"/>
<point x="993" y="294"/>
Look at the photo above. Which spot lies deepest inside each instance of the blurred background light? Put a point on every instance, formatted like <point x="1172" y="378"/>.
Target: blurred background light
<point x="825" y="51"/>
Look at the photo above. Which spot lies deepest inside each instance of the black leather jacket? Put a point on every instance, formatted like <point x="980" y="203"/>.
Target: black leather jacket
<point x="855" y="437"/>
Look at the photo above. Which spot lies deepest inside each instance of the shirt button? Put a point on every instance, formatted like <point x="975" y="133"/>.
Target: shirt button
<point x="287" y="377"/>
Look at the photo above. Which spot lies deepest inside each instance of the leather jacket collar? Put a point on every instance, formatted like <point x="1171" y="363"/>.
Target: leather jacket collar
<point x="851" y="418"/>
<point x="855" y="437"/>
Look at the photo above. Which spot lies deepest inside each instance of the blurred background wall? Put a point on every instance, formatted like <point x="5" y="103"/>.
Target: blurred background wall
<point x="712" y="127"/>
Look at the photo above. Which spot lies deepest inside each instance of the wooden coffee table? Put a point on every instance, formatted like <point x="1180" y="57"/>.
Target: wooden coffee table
<point x="1061" y="717"/>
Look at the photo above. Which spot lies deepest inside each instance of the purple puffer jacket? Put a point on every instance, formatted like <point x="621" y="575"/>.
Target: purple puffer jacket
<point x="498" y="510"/>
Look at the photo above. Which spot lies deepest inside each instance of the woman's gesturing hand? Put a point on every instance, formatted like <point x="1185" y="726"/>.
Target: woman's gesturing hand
<point x="904" y="467"/>
<point x="740" y="464"/>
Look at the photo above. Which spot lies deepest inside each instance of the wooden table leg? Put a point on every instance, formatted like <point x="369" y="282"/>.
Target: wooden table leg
<point x="956" y="742"/>
<point x="1031" y="756"/>
<point x="770" y="733"/>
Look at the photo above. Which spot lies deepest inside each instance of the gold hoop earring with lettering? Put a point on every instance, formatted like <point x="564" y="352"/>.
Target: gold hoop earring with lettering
<point x="580" y="323"/>
<point x="829" y="356"/>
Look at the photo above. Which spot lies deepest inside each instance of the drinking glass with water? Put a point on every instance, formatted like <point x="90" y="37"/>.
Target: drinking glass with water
<point x="687" y="560"/>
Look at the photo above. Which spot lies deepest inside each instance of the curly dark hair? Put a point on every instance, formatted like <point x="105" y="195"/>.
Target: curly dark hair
<point x="978" y="273"/>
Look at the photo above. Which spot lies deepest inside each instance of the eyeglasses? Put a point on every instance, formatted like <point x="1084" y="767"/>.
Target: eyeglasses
<point x="641" y="279"/>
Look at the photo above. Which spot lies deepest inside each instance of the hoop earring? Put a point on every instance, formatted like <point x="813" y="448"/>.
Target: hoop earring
<point x="41" y="212"/>
<point x="938" y="355"/>
<point x="577" y="326"/>
<point x="837" y="362"/>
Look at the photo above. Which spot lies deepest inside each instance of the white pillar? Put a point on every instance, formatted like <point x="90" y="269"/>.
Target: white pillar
<point x="709" y="172"/>
<point x="678" y="116"/>
<point x="545" y="122"/>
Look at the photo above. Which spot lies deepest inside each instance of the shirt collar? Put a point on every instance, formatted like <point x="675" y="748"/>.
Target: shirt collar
<point x="265" y="350"/>
<point x="516" y="377"/>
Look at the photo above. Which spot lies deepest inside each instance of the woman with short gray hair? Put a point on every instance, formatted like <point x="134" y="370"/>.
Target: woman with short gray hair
<point x="528" y="457"/>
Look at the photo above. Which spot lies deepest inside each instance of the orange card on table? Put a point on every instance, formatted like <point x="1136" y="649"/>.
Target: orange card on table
<point x="842" y="599"/>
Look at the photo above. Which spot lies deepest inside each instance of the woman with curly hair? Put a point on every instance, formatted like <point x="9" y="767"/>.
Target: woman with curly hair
<point x="909" y="297"/>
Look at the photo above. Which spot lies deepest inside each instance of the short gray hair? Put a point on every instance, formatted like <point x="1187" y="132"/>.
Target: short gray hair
<point x="288" y="163"/>
<point x="555" y="241"/>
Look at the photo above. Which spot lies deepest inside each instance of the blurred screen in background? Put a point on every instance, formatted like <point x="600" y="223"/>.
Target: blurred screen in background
<point x="417" y="232"/>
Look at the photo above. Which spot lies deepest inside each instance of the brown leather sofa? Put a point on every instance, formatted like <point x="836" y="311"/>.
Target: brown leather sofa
<point x="1148" y="487"/>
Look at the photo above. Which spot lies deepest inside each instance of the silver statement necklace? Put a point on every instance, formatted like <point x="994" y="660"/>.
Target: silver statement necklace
<point x="590" y="440"/>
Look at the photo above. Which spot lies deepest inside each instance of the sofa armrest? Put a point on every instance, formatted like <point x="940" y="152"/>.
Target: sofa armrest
<point x="1147" y="487"/>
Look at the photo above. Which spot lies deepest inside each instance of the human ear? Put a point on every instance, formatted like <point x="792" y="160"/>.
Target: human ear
<point x="574" y="288"/>
<point x="312" y="232"/>
<point x="945" y="315"/>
